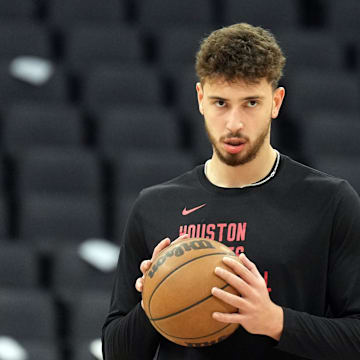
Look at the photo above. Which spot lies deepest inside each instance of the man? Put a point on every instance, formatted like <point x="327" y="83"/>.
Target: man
<point x="297" y="230"/>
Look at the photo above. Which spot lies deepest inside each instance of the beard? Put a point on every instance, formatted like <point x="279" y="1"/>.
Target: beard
<point x="244" y="156"/>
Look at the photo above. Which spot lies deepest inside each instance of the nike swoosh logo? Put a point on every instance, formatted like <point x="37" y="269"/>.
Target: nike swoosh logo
<point x="187" y="212"/>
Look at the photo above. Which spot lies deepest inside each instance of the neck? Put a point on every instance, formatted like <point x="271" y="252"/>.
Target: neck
<point x="222" y="175"/>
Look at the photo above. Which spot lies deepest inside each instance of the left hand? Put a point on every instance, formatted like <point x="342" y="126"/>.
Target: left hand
<point x="256" y="312"/>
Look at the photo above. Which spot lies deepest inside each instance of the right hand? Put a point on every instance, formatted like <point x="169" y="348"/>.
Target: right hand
<point x="146" y="264"/>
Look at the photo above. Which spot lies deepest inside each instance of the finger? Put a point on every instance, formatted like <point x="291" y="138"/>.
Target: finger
<point x="234" y="318"/>
<point x="249" y="265"/>
<point x="160" y="246"/>
<point x="181" y="237"/>
<point x="139" y="284"/>
<point x="231" y="299"/>
<point x="145" y="266"/>
<point x="235" y="281"/>
<point x="240" y="269"/>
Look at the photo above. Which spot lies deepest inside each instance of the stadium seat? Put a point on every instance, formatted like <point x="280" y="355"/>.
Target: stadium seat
<point x="311" y="49"/>
<point x="262" y="13"/>
<point x="331" y="133"/>
<point x="52" y="221"/>
<point x="316" y="90"/>
<point x="30" y="126"/>
<point x="139" y="169"/>
<point x="19" y="38"/>
<point x="19" y="266"/>
<point x="59" y="172"/>
<point x="88" y="313"/>
<point x="17" y="9"/>
<point x="64" y="14"/>
<point x="177" y="47"/>
<point x="107" y="87"/>
<point x="342" y="19"/>
<point x="83" y="351"/>
<point x="160" y="15"/>
<point x="91" y="46"/>
<point x="15" y="91"/>
<point x="72" y="274"/>
<point x="27" y="315"/>
<point x="42" y="351"/>
<point x="137" y="128"/>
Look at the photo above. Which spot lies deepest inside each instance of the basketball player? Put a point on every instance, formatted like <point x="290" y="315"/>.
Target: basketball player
<point x="297" y="230"/>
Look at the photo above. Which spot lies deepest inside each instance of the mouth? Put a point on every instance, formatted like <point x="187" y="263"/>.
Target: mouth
<point x="234" y="145"/>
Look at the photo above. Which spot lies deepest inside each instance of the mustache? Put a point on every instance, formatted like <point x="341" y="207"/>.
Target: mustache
<point x="238" y="135"/>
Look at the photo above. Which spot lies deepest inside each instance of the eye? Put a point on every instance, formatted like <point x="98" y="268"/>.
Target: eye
<point x="220" y="103"/>
<point x="251" y="103"/>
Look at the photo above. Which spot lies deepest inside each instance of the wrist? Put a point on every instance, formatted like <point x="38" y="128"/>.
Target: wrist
<point x="277" y="323"/>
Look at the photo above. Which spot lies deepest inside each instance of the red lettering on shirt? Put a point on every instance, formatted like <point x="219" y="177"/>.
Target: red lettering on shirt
<point x="221" y="230"/>
<point x="241" y="231"/>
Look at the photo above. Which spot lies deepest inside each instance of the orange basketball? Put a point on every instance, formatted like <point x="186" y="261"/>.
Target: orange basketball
<point x="177" y="292"/>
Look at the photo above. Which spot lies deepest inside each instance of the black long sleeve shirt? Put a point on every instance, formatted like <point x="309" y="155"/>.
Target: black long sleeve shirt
<point x="301" y="229"/>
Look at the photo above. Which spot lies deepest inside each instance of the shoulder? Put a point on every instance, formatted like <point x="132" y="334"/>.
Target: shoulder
<point x="188" y="181"/>
<point x="298" y="173"/>
<point x="309" y="184"/>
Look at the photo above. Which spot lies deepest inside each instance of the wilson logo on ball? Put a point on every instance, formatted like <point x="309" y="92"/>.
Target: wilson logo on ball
<point x="179" y="251"/>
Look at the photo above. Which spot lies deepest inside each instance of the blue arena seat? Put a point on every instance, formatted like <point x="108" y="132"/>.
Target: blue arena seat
<point x="89" y="46"/>
<point x="17" y="10"/>
<point x="158" y="15"/>
<point x="64" y="14"/>
<point x="59" y="172"/>
<point x="31" y="126"/>
<point x="137" y="127"/>
<point x="15" y="91"/>
<point x="23" y="38"/>
<point x="19" y="266"/>
<point x="262" y="13"/>
<point x="108" y="87"/>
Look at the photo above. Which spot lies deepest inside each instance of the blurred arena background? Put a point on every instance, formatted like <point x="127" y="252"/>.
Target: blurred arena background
<point x="97" y="100"/>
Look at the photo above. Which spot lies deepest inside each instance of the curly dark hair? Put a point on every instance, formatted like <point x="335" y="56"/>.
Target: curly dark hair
<point x="240" y="51"/>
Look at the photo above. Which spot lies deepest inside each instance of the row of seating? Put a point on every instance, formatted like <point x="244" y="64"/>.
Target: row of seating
<point x="107" y="87"/>
<point x="36" y="127"/>
<point x="63" y="194"/>
<point x="36" y="319"/>
<point x="62" y="197"/>
<point x="53" y="304"/>
<point x="157" y="13"/>
<point x="89" y="44"/>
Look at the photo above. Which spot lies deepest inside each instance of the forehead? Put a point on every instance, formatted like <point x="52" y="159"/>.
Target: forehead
<point x="237" y="87"/>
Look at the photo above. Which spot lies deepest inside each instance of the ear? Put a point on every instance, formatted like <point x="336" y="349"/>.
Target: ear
<point x="200" y="97"/>
<point x="278" y="98"/>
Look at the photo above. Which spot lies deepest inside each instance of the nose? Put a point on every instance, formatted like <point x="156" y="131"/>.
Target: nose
<point x="234" y="122"/>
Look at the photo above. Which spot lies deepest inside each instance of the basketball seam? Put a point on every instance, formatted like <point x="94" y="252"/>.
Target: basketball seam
<point x="198" y="337"/>
<point x="177" y="268"/>
<point x="188" y="307"/>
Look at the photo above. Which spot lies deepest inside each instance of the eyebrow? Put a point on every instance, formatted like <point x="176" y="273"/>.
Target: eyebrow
<point x="254" y="97"/>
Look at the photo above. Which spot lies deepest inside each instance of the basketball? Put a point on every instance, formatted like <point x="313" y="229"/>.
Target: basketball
<point x="177" y="292"/>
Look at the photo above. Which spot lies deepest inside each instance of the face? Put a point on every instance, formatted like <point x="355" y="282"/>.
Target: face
<point x="238" y="117"/>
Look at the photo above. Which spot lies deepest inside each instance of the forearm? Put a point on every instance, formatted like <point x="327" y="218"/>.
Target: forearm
<point x="130" y="337"/>
<point x="320" y="338"/>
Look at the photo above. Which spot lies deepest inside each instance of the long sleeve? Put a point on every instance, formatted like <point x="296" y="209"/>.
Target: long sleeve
<point x="127" y="333"/>
<point x="336" y="336"/>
